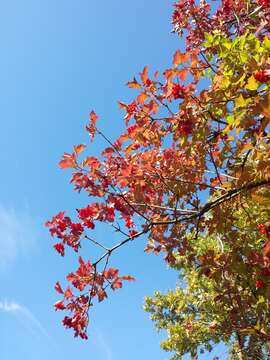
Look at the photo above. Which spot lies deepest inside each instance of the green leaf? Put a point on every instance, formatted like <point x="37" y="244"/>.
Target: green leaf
<point x="230" y="119"/>
<point x="266" y="44"/>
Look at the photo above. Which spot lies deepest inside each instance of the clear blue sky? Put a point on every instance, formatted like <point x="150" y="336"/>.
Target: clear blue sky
<point x="60" y="59"/>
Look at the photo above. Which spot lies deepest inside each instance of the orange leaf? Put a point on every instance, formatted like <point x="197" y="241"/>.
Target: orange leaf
<point x="65" y="164"/>
<point x="93" y="117"/>
<point x="101" y="294"/>
<point x="68" y="293"/>
<point x="92" y="126"/>
<point x="183" y="74"/>
<point x="194" y="61"/>
<point x="144" y="74"/>
<point x="264" y="106"/>
<point x="185" y="57"/>
<point x="141" y="98"/>
<point x="196" y="75"/>
<point x="168" y="89"/>
<point x="170" y="73"/>
<point x="177" y="58"/>
<point x="68" y="161"/>
<point x="266" y="249"/>
<point x="134" y="84"/>
<point x="79" y="148"/>
<point x="153" y="106"/>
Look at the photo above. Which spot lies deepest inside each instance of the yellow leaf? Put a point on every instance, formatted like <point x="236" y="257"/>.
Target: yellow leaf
<point x="240" y="102"/>
<point x="247" y="146"/>
<point x="260" y="301"/>
<point x="248" y="331"/>
<point x="252" y="84"/>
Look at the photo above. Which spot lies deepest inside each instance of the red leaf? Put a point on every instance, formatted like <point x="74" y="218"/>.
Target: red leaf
<point x="76" y="228"/>
<point x="132" y="233"/>
<point x="101" y="294"/>
<point x="58" y="288"/>
<point x="68" y="293"/>
<point x="128" y="278"/>
<point x="116" y="284"/>
<point x="265" y="272"/>
<point x="71" y="277"/>
<point x="111" y="273"/>
<point x="259" y="284"/>
<point x="262" y="76"/>
<point x="108" y="152"/>
<point x="82" y="263"/>
<point x="59" y="247"/>
<point x="59" y="305"/>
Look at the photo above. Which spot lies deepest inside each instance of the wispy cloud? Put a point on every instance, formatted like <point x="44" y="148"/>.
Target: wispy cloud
<point x="103" y="345"/>
<point x="25" y="316"/>
<point x="17" y="235"/>
<point x="10" y="306"/>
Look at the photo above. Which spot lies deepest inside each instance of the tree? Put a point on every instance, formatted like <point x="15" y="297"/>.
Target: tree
<point x="223" y="295"/>
<point x="191" y="171"/>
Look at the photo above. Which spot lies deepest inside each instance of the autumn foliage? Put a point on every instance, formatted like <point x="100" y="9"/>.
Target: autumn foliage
<point x="191" y="171"/>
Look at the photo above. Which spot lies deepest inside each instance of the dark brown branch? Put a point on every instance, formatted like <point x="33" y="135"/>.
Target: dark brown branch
<point x="215" y="166"/>
<point x="198" y="215"/>
<point x="208" y="206"/>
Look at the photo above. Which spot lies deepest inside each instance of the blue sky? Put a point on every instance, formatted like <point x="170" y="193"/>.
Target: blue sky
<point x="59" y="60"/>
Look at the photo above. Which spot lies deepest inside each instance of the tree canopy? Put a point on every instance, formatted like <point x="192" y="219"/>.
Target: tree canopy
<point x="191" y="172"/>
